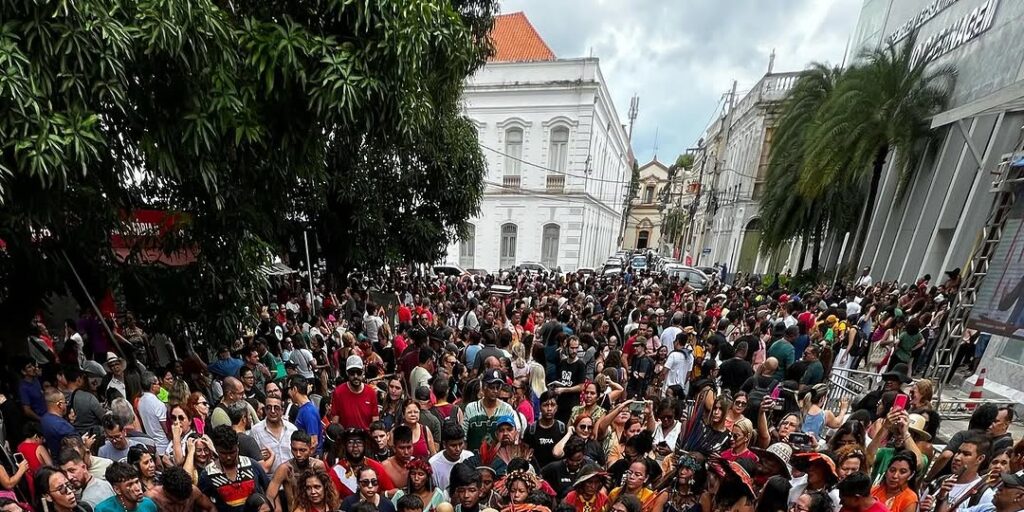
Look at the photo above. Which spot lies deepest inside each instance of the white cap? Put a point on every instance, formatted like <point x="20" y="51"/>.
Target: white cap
<point x="353" y="362"/>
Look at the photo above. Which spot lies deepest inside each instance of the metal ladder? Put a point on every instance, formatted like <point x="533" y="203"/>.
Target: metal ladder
<point x="1004" y="185"/>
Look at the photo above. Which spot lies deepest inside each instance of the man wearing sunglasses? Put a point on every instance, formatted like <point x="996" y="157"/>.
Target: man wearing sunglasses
<point x="353" y="403"/>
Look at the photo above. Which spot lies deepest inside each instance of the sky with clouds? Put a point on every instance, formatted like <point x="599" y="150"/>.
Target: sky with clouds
<point x="681" y="56"/>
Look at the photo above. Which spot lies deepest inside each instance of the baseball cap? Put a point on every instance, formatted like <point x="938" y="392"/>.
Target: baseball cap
<point x="504" y="420"/>
<point x="1014" y="479"/>
<point x="423" y="394"/>
<point x="493" y="375"/>
<point x="353" y="362"/>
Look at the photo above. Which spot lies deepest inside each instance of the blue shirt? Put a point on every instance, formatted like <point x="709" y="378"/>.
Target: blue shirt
<point x="31" y="394"/>
<point x="55" y="429"/>
<point x="308" y="420"/>
<point x="113" y="504"/>
<point x="471" y="351"/>
<point x="225" y="367"/>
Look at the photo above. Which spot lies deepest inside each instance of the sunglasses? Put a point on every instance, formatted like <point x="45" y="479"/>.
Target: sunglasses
<point x="273" y="407"/>
<point x="740" y="404"/>
<point x="180" y="417"/>
<point x="369" y="482"/>
<point x="585" y="427"/>
<point x="355" y="371"/>
<point x="204" y="402"/>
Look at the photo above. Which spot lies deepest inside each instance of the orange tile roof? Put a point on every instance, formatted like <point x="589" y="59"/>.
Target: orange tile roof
<point x="515" y="40"/>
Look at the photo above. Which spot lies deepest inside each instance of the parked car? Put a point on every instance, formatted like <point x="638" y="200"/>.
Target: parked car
<point x="639" y="262"/>
<point x="537" y="268"/>
<point x="697" y="279"/>
<point x="478" y="272"/>
<point x="585" y="271"/>
<point x="611" y="270"/>
<point x="450" y="269"/>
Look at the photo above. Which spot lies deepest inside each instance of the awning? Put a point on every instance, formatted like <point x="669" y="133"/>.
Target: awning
<point x="277" y="269"/>
<point x="156" y="256"/>
<point x="1007" y="99"/>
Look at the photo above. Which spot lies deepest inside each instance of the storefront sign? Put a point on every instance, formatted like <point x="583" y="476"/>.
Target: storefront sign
<point x="929" y="12"/>
<point x="957" y="33"/>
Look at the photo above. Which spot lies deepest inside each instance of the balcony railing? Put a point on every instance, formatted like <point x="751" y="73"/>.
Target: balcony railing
<point x="555" y="184"/>
<point x="511" y="183"/>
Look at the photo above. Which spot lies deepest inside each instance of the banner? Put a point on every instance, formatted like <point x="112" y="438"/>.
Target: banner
<point x="999" y="308"/>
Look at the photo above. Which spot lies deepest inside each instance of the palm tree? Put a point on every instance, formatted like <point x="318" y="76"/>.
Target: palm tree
<point x="786" y="211"/>
<point x="881" y="105"/>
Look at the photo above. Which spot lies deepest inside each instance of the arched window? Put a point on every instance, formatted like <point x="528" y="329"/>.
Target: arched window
<point x="549" y="246"/>
<point x="467" y="248"/>
<point x="508" y="245"/>
<point x="558" y="149"/>
<point x="642" y="238"/>
<point x="513" y="151"/>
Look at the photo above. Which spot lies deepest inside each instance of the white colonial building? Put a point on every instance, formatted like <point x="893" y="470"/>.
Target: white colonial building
<point x="558" y="159"/>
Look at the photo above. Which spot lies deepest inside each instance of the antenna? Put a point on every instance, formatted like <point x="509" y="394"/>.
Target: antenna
<point x="771" y="61"/>
<point x="634" y="109"/>
<point x="657" y="130"/>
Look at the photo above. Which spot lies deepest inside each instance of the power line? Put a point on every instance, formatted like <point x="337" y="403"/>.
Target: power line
<point x="527" y="162"/>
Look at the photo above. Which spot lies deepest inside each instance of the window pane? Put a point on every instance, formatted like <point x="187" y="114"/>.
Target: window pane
<point x="513" y="151"/>
<point x="508" y="245"/>
<point x="549" y="245"/>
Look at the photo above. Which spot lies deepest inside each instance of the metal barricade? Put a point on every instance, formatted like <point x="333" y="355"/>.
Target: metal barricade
<point x="849" y="384"/>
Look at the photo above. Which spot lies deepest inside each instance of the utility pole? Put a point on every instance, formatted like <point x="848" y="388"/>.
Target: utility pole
<point x="695" y="204"/>
<point x="634" y="110"/>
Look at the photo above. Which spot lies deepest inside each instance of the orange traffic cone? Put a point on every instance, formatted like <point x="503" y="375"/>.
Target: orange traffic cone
<point x="972" y="400"/>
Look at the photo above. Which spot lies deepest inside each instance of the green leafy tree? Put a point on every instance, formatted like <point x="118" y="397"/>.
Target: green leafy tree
<point x="787" y="212"/>
<point x="881" y="106"/>
<point x="251" y="118"/>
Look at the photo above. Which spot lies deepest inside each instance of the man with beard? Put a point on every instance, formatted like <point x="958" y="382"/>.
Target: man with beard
<point x="177" y="494"/>
<point x="354" y="404"/>
<point x="479" y="416"/>
<point x="288" y="474"/>
<point x="230" y="479"/>
<point x="395" y="466"/>
<point x="93" y="490"/>
<point x="127" y="491"/>
<point x="505" y="447"/>
<point x="346" y="471"/>
<point x="274" y="433"/>
<point x="571" y="372"/>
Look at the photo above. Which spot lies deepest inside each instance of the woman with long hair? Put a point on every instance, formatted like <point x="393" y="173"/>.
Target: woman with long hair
<point x="421" y="484"/>
<point x="739" y="406"/>
<point x="614" y="428"/>
<point x="682" y="490"/>
<point x="316" y="492"/>
<point x="816" y="417"/>
<point x="712" y="437"/>
<point x="583" y="428"/>
<point x="588" y="402"/>
<point x="897" y="489"/>
<point x="145" y="463"/>
<point x="55" y="493"/>
<point x="198" y="454"/>
<point x="850" y="433"/>
<point x="391" y="411"/>
<point x="180" y="426"/>
<point x="423" y="445"/>
<point x="611" y="391"/>
<point x="197" y="407"/>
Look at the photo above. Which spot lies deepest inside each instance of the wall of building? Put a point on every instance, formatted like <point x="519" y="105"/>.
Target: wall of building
<point x="538" y="98"/>
<point x="645" y="215"/>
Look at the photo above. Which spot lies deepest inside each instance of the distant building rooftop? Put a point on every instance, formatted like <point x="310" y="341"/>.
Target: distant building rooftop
<point x="515" y="40"/>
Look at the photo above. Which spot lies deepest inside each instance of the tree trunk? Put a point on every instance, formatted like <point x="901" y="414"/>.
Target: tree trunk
<point x="803" y="253"/>
<point x="819" y="229"/>
<point x="869" y="205"/>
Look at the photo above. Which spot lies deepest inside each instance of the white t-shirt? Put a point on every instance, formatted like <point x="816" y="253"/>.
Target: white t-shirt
<point x="443" y="467"/>
<point x="679" y="364"/>
<point x="959" y="490"/>
<point x="668" y="437"/>
<point x="371" y="326"/>
<point x="668" y="337"/>
<point x="153" y="414"/>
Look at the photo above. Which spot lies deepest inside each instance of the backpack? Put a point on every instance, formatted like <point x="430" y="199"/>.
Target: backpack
<point x="757" y="394"/>
<point x="860" y="344"/>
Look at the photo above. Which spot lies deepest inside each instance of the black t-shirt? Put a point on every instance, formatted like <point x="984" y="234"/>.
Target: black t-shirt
<point x="734" y="372"/>
<point x="543" y="441"/>
<point x="557" y="475"/>
<point x="796" y="370"/>
<point x="569" y="374"/>
<point x="636" y="386"/>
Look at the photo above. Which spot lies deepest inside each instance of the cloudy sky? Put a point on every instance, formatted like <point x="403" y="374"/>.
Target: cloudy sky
<point x="681" y="56"/>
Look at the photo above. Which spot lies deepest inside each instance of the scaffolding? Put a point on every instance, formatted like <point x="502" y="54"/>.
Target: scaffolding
<point x="1007" y="176"/>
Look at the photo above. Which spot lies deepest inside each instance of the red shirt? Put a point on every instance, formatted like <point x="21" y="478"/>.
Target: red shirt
<point x="404" y="314"/>
<point x="877" y="507"/>
<point x="354" y="410"/>
<point x="348" y="481"/>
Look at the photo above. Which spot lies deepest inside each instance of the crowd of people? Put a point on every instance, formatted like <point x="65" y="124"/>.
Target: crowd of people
<point x="522" y="392"/>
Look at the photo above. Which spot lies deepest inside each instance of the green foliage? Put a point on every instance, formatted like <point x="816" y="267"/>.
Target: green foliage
<point x="247" y="116"/>
<point x="674" y="223"/>
<point x="685" y="161"/>
<point x="787" y="211"/>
